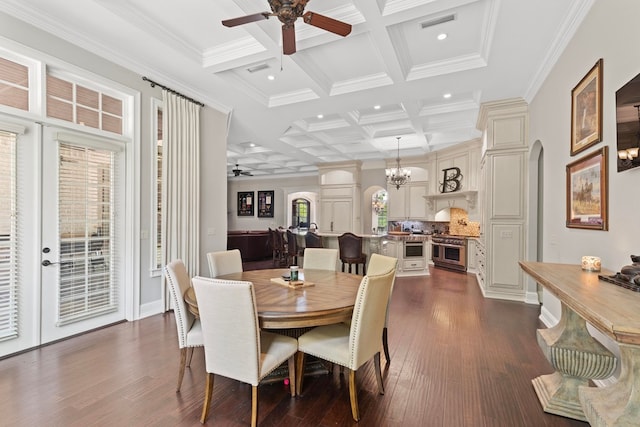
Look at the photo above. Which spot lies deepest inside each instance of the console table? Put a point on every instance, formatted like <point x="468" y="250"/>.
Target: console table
<point x="577" y="357"/>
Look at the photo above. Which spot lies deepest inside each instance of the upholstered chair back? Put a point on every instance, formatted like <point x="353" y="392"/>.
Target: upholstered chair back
<point x="368" y="317"/>
<point x="224" y="262"/>
<point x="320" y="259"/>
<point x="312" y="240"/>
<point x="350" y="245"/>
<point x="179" y="281"/>
<point x="230" y="328"/>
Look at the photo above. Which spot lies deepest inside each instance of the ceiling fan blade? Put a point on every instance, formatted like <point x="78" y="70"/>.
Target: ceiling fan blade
<point x="246" y="19"/>
<point x="288" y="39"/>
<point x="246" y="173"/>
<point x="326" y="23"/>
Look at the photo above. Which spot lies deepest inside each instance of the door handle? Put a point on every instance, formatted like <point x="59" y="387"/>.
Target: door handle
<point x="47" y="263"/>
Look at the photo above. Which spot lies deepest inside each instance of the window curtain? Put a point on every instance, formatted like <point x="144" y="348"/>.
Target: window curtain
<point x="181" y="182"/>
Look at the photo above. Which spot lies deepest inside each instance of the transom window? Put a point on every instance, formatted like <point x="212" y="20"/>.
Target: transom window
<point x="79" y="104"/>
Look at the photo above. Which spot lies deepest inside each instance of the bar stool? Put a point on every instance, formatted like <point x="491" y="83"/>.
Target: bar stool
<point x="293" y="251"/>
<point x="312" y="240"/>
<point x="351" y="252"/>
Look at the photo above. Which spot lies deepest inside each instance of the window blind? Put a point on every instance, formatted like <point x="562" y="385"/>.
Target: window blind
<point x="86" y="210"/>
<point x="8" y="238"/>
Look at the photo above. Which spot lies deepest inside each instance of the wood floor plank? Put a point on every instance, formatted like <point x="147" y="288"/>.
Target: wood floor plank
<point x="457" y="359"/>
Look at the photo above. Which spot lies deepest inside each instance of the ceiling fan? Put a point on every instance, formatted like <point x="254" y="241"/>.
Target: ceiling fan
<point x="237" y="172"/>
<point x="287" y="12"/>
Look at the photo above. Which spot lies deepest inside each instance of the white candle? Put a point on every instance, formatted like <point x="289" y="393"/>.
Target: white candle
<point x="591" y="263"/>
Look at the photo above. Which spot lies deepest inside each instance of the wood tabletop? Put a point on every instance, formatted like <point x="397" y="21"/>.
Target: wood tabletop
<point x="612" y="309"/>
<point x="330" y="300"/>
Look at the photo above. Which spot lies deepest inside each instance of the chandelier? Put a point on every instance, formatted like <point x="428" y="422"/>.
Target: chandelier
<point x="398" y="176"/>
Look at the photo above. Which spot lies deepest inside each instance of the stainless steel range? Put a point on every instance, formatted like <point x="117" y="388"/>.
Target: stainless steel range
<point x="449" y="252"/>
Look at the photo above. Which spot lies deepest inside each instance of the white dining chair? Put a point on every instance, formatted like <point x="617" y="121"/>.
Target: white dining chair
<point x="352" y="345"/>
<point x="378" y="264"/>
<point x="234" y="345"/>
<point x="320" y="259"/>
<point x="189" y="330"/>
<point x="224" y="262"/>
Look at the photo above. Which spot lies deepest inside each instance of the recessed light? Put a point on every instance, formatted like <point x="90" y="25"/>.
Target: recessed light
<point x="376" y="107"/>
<point x="442" y="36"/>
<point x="252" y="145"/>
<point x="446" y="96"/>
<point x="271" y="77"/>
<point x="320" y="116"/>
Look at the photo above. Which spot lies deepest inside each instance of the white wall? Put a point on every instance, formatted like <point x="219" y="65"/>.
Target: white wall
<point x="281" y="187"/>
<point x="609" y="31"/>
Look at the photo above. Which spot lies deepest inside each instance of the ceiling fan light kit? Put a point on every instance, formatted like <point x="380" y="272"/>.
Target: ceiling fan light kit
<point x="288" y="12"/>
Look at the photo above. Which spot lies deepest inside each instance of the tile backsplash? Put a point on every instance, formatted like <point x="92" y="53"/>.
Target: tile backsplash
<point x="458" y="224"/>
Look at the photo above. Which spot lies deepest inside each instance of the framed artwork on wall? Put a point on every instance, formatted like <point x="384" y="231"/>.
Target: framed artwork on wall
<point x="586" y="110"/>
<point x="587" y="191"/>
<point x="265" y="204"/>
<point x="245" y="203"/>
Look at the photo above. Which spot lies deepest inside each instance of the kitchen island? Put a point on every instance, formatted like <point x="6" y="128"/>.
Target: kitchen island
<point x="371" y="243"/>
<point x="412" y="250"/>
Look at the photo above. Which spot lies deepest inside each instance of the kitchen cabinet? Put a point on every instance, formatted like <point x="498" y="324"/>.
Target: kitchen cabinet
<point x="390" y="248"/>
<point x="504" y="171"/>
<point x="408" y="202"/>
<point x="408" y="266"/>
<point x="336" y="215"/>
<point x="340" y="197"/>
<point x="471" y="256"/>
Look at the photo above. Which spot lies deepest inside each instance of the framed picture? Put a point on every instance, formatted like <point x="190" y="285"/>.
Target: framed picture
<point x="246" y="202"/>
<point x="587" y="193"/>
<point x="586" y="110"/>
<point x="265" y="204"/>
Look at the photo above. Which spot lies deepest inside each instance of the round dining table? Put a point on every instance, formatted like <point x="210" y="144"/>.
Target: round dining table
<point x="325" y="298"/>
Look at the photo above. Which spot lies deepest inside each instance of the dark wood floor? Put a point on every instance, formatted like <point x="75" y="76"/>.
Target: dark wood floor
<point x="457" y="360"/>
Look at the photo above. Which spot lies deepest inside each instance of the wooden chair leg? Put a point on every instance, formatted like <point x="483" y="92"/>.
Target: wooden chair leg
<point x="183" y="364"/>
<point x="385" y="345"/>
<point x="292" y="376"/>
<point x="353" y="395"/>
<point x="364" y="268"/>
<point x="299" y="371"/>
<point x="208" y="394"/>
<point x="376" y="362"/>
<point x="190" y="356"/>
<point x="254" y="406"/>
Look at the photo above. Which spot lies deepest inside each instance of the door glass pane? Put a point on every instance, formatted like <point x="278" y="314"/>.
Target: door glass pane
<point x="87" y="287"/>
<point x="8" y="238"/>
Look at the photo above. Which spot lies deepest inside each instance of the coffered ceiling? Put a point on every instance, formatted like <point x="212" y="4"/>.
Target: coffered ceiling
<point x="335" y="99"/>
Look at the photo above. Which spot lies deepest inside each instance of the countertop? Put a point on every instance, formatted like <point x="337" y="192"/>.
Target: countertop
<point x="408" y="237"/>
<point x="332" y="234"/>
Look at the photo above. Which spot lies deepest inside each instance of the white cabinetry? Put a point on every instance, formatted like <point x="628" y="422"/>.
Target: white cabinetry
<point x="480" y="264"/>
<point x="340" y="198"/>
<point x="411" y="266"/>
<point x="471" y="256"/>
<point x="407" y="202"/>
<point x="390" y="248"/>
<point x="504" y="220"/>
<point x="336" y="215"/>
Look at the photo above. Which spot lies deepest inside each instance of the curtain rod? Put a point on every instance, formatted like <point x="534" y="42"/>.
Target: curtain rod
<point x="153" y="84"/>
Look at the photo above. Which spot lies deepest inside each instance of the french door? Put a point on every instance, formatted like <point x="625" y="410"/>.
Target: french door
<point x="82" y="233"/>
<point x="61" y="233"/>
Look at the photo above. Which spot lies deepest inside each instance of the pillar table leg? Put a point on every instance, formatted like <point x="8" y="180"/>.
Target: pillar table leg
<point x="618" y="404"/>
<point x="577" y="357"/>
